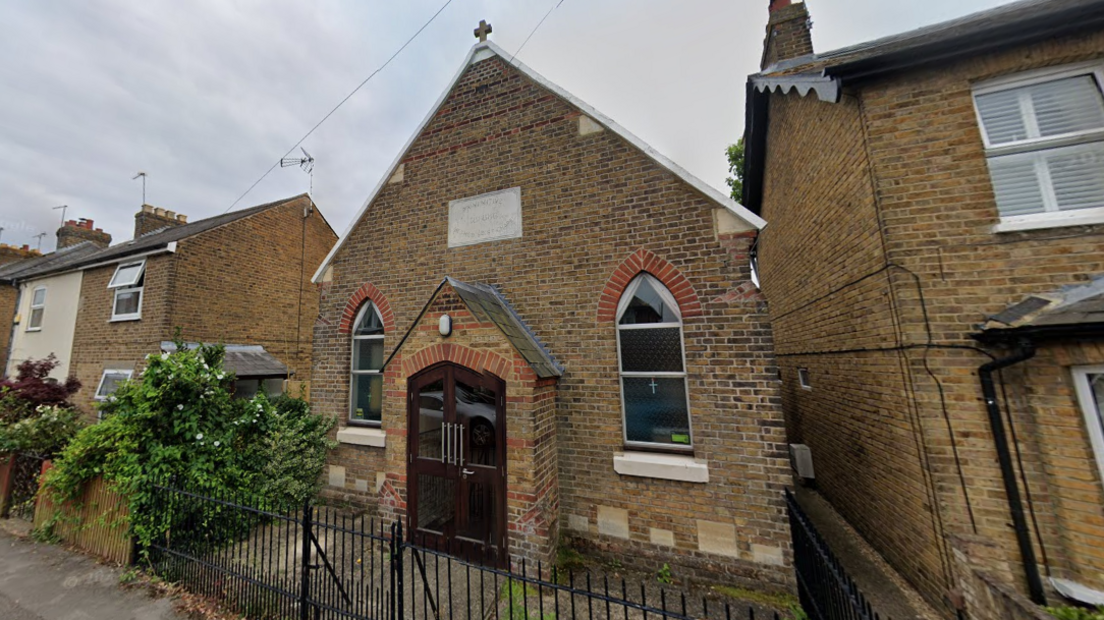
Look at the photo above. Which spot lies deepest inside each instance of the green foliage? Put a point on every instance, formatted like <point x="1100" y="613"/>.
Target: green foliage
<point x="1076" y="613"/>
<point x="44" y="433"/>
<point x="735" y="154"/>
<point x="663" y="575"/>
<point x="178" y="422"/>
<point x="515" y="593"/>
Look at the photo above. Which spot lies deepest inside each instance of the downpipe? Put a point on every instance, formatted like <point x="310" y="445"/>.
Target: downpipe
<point x="1025" y="351"/>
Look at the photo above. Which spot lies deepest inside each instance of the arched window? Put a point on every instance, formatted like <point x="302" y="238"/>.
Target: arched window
<point x="366" y="394"/>
<point x="653" y="367"/>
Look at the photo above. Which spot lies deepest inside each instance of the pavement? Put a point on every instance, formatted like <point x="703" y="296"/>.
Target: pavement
<point x="885" y="589"/>
<point x="48" y="582"/>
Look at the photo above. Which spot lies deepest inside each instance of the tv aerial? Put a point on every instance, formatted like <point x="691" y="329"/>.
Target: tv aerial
<point x="306" y="162"/>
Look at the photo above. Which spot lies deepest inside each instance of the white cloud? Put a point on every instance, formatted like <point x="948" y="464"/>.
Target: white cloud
<point x="206" y="95"/>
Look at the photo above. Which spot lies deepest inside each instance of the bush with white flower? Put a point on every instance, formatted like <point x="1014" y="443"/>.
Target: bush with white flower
<point x="49" y="429"/>
<point x="178" y="423"/>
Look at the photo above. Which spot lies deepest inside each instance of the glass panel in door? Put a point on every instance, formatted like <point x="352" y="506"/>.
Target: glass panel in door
<point x="431" y="418"/>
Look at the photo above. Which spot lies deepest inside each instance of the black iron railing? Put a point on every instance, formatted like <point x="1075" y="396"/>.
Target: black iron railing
<point x="824" y="587"/>
<point x="318" y="562"/>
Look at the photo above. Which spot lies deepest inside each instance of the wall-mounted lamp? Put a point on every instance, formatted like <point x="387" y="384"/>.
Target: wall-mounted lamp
<point x="445" y="325"/>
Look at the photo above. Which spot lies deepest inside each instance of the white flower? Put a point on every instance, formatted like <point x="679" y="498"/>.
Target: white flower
<point x="180" y="407"/>
<point x="199" y="436"/>
<point x="217" y="443"/>
<point x="164" y="356"/>
<point x="205" y="367"/>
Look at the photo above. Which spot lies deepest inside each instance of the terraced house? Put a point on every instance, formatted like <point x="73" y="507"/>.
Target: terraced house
<point x="933" y="266"/>
<point x="538" y="328"/>
<point x="241" y="279"/>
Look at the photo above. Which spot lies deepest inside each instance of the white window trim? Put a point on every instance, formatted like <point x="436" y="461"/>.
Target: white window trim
<point x="133" y="316"/>
<point x="622" y="305"/>
<point x="1051" y="218"/>
<point x="803" y="379"/>
<point x="354" y="373"/>
<point x="129" y="372"/>
<point x="137" y="276"/>
<point x="363" y="436"/>
<point x="31" y="327"/>
<point x="1089" y="410"/>
<point x="683" y="468"/>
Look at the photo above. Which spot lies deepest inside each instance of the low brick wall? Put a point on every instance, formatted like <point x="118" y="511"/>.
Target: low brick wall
<point x="987" y="593"/>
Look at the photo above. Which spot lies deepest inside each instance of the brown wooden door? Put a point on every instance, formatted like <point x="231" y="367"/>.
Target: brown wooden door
<point x="458" y="462"/>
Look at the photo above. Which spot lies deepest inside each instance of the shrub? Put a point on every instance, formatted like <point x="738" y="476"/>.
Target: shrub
<point x="1077" y="613"/>
<point x="177" y="421"/>
<point x="32" y="388"/>
<point x="44" y="434"/>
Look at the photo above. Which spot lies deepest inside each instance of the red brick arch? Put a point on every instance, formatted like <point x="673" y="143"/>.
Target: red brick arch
<point x="643" y="261"/>
<point x="477" y="360"/>
<point x="367" y="291"/>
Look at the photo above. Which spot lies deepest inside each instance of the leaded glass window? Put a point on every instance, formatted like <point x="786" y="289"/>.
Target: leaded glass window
<point x="652" y="365"/>
<point x="366" y="398"/>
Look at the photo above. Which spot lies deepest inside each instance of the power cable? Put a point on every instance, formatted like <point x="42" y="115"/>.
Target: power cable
<point x="342" y="102"/>
<point x="533" y="31"/>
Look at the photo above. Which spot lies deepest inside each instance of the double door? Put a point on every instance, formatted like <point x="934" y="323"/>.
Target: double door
<point x="457" y="462"/>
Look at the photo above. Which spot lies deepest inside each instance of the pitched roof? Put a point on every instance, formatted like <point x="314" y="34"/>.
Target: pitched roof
<point x="488" y="305"/>
<point x="1068" y="310"/>
<point x="85" y="254"/>
<point x="487" y="49"/>
<point x="244" y="360"/>
<point x="1003" y="27"/>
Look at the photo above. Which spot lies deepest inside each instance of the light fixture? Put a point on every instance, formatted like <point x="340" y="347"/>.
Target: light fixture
<point x="445" y="325"/>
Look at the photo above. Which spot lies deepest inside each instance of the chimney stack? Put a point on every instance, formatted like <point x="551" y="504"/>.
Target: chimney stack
<point x="152" y="218"/>
<point x="789" y="32"/>
<point x="76" y="231"/>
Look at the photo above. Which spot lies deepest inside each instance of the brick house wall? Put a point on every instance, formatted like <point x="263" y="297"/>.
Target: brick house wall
<point x="592" y="204"/>
<point x="238" y="283"/>
<point x="879" y="245"/>
<point x="9" y="295"/>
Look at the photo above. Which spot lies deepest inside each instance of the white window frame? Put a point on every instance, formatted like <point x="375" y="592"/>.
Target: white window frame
<point x="622" y="305"/>
<point x="127" y="287"/>
<point x="129" y="372"/>
<point x="803" y="379"/>
<point x="31" y="327"/>
<point x="1088" y="407"/>
<point x="1051" y="217"/>
<point x="354" y="373"/>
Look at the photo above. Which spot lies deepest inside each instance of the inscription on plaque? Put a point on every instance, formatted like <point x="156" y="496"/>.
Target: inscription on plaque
<point x="487" y="217"/>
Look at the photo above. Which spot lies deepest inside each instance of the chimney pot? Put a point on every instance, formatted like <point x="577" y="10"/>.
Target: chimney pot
<point x="159" y="212"/>
<point x="147" y="208"/>
<point x="183" y="219"/>
<point x="26" y="247"/>
<point x="170" y="214"/>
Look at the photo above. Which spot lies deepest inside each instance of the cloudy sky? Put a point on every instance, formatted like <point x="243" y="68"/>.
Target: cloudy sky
<point x="205" y="95"/>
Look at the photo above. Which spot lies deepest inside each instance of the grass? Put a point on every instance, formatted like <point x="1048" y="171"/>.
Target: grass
<point x="775" y="600"/>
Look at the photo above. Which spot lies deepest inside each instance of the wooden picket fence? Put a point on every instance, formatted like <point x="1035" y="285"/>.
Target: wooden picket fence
<point x="97" y="522"/>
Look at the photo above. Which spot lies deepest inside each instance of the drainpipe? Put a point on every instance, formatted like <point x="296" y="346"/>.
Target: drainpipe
<point x="1025" y="351"/>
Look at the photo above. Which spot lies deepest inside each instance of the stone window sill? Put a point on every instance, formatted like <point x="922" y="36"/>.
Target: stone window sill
<point x="1056" y="219"/>
<point x="374" y="437"/>
<point x="661" y="466"/>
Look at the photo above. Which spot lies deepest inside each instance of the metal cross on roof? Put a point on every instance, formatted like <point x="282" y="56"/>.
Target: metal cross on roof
<point x="483" y="30"/>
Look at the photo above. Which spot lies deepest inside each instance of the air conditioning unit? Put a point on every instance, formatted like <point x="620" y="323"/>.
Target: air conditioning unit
<point x="801" y="460"/>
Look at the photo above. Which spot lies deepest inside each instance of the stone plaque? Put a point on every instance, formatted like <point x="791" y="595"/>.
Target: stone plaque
<point x="488" y="217"/>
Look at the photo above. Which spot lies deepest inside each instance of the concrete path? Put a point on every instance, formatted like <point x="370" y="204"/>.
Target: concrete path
<point x="46" y="582"/>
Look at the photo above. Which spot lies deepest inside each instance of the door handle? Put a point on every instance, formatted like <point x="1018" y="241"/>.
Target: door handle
<point x="466" y="472"/>
<point x="460" y="440"/>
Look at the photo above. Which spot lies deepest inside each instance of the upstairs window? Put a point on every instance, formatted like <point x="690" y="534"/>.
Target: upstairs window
<point x="127" y="284"/>
<point x="38" y="308"/>
<point x="1089" y="383"/>
<point x="653" y="368"/>
<point x="366" y="392"/>
<point x="1044" y="141"/>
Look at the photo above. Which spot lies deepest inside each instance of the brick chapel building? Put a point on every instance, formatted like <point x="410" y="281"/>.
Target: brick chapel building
<point x="539" y="328"/>
<point x="933" y="266"/>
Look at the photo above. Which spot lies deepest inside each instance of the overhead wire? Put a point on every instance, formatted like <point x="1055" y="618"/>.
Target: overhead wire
<point x="533" y="31"/>
<point x="341" y="103"/>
